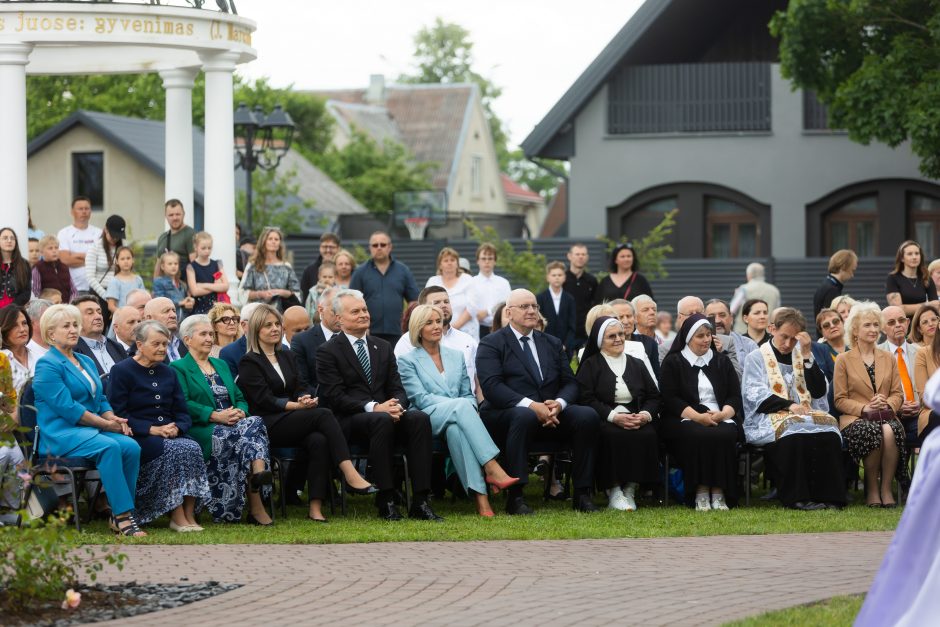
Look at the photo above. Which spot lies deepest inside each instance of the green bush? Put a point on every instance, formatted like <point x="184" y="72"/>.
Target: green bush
<point x="650" y="250"/>
<point x="522" y="268"/>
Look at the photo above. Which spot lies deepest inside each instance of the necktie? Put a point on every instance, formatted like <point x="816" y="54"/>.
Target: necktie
<point x="530" y="358"/>
<point x="363" y="358"/>
<point x="905" y="377"/>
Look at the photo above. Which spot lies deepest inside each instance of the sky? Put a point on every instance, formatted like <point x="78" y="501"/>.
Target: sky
<point x="533" y="49"/>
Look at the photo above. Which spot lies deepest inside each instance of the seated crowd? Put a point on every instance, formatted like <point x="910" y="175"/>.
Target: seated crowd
<point x="180" y="397"/>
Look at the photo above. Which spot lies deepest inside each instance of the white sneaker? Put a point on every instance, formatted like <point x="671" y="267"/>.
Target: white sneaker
<point x="629" y="495"/>
<point x="718" y="502"/>
<point x="702" y="503"/>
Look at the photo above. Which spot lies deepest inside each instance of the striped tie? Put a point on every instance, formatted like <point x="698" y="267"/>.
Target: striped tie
<point x="363" y="358"/>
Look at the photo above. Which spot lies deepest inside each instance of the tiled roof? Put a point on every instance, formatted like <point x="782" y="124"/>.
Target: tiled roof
<point x="515" y="191"/>
<point x="430" y="120"/>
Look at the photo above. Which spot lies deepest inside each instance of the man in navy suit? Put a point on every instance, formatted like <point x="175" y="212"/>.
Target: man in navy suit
<point x="558" y="307"/>
<point x="104" y="351"/>
<point x="530" y="393"/>
<point x="306" y="343"/>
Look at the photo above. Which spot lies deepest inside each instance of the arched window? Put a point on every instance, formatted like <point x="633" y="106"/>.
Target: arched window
<point x="732" y="230"/>
<point x="923" y="215"/>
<point x="853" y="225"/>
<point x="646" y="217"/>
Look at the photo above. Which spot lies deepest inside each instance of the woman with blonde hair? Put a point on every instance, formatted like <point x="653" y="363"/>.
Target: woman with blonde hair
<point x="226" y="329"/>
<point x="842" y="305"/>
<point x="460" y="289"/>
<point x="345" y="266"/>
<point x="867" y="397"/>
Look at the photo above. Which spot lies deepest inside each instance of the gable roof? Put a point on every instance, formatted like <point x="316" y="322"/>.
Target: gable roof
<point x="518" y="193"/>
<point x="144" y="141"/>
<point x="430" y="120"/>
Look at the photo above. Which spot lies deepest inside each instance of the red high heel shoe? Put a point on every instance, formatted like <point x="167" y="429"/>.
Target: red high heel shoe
<point x="500" y="485"/>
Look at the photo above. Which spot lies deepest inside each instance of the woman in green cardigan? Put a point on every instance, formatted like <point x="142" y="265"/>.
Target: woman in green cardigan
<point x="234" y="444"/>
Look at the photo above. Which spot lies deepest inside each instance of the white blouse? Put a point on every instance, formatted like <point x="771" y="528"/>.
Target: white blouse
<point x="706" y="393"/>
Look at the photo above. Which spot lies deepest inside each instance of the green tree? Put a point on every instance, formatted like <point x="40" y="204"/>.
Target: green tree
<point x="444" y="54"/>
<point x="651" y="250"/>
<point x="536" y="178"/>
<point x="875" y="64"/>
<point x="272" y="191"/>
<point x="522" y="268"/>
<point x="372" y="173"/>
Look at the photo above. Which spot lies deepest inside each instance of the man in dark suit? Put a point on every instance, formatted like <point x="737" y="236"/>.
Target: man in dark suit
<point x="306" y="343"/>
<point x="359" y="381"/>
<point x="92" y="342"/>
<point x="530" y="394"/>
<point x="558" y="307"/>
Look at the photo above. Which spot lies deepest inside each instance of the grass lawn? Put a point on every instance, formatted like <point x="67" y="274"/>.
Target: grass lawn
<point x="834" y="612"/>
<point x="552" y="521"/>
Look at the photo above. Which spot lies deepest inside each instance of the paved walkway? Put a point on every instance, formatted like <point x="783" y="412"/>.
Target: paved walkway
<point x="675" y="581"/>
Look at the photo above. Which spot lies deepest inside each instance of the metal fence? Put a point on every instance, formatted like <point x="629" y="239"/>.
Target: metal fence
<point x="684" y="98"/>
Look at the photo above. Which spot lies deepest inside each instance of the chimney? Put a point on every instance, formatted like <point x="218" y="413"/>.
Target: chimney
<point x="375" y="95"/>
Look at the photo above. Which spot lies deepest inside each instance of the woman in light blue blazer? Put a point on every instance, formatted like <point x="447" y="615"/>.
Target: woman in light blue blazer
<point x="75" y="419"/>
<point x="436" y="381"/>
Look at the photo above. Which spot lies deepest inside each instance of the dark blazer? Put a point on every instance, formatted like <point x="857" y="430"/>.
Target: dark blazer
<point x="679" y="386"/>
<point x="344" y="387"/>
<point x="115" y="350"/>
<point x="652" y="349"/>
<point x="304" y="345"/>
<point x="561" y="324"/>
<point x="199" y="398"/>
<point x="266" y="393"/>
<point x="233" y="353"/>
<point x="596" y="382"/>
<point x="148" y="400"/>
<point x="505" y="379"/>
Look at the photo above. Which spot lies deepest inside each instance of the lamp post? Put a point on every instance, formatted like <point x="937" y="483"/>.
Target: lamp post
<point x="261" y="141"/>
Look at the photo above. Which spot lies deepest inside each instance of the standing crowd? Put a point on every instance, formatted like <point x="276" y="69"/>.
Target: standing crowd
<point x="181" y="395"/>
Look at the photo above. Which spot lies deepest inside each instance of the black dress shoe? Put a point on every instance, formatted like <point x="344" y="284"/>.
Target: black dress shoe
<point x="809" y="506"/>
<point x="583" y="503"/>
<point x="254" y="521"/>
<point x="423" y="511"/>
<point x="388" y="511"/>
<point x="369" y="489"/>
<point x="515" y="506"/>
<point x="258" y="480"/>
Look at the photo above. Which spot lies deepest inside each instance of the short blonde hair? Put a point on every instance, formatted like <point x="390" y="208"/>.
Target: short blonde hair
<point x="447" y="251"/>
<point x="48" y="239"/>
<point x="843" y="299"/>
<point x="595" y="312"/>
<point x="419" y="318"/>
<point x="202" y="236"/>
<point x="218" y="310"/>
<point x="54" y="316"/>
<point x="861" y="312"/>
<point x="933" y="266"/>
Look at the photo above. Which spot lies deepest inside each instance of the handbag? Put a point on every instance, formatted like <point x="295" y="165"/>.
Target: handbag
<point x="878" y="415"/>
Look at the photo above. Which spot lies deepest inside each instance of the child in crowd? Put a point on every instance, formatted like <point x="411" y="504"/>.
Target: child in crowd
<point x="205" y="277"/>
<point x="51" y="294"/>
<point x="167" y="283"/>
<point x="664" y="327"/>
<point x="326" y="278"/>
<point x="49" y="272"/>
<point x="558" y="306"/>
<point x="125" y="279"/>
<point x="33" y="252"/>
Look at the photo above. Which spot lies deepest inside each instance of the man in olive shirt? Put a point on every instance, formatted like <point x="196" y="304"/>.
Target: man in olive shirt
<point x="179" y="238"/>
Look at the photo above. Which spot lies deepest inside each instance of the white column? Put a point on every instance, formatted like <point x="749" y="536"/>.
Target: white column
<point x="13" y="60"/>
<point x="220" y="158"/>
<point x="178" y="84"/>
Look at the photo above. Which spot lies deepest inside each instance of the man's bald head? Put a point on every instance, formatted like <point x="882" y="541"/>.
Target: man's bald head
<point x="295" y="321"/>
<point x="137" y="299"/>
<point x="522" y="311"/>
<point x="688" y="306"/>
<point x="895" y="324"/>
<point x="162" y="310"/>
<point x="125" y="321"/>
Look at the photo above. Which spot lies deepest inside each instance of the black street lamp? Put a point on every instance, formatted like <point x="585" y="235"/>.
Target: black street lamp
<point x="261" y="141"/>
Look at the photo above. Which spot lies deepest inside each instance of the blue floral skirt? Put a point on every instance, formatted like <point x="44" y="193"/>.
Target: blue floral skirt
<point x="233" y="449"/>
<point x="164" y="481"/>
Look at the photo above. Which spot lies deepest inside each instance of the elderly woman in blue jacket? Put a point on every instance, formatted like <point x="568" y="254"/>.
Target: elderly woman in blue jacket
<point x="76" y="420"/>
<point x="436" y="381"/>
<point x="146" y="390"/>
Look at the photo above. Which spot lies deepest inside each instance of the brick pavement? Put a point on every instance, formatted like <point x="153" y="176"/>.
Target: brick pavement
<point x="675" y="581"/>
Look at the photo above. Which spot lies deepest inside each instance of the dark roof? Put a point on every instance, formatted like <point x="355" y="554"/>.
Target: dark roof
<point x="661" y="31"/>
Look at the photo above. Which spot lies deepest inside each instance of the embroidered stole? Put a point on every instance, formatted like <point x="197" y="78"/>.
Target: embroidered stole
<point x="782" y="419"/>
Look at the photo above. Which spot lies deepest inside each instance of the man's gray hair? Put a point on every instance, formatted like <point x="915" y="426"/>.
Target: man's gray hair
<point x="37" y="307"/>
<point x="344" y="293"/>
<point x="639" y="300"/>
<point x="142" y="331"/>
<point x="245" y="313"/>
<point x="754" y="271"/>
<point x="189" y="324"/>
<point x="623" y="301"/>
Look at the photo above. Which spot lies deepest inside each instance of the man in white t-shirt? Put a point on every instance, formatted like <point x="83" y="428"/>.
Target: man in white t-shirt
<point x="76" y="240"/>
<point x="490" y="288"/>
<point x="455" y="339"/>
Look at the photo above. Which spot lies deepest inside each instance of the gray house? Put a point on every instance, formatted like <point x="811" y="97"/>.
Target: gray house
<point x="686" y="108"/>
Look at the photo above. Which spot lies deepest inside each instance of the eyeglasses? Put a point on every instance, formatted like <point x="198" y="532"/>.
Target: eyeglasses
<point x="831" y="323"/>
<point x="526" y="307"/>
<point x="379" y="245"/>
<point x="229" y="320"/>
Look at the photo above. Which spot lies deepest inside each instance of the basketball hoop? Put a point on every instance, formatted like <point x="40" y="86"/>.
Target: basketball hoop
<point x="416" y="227"/>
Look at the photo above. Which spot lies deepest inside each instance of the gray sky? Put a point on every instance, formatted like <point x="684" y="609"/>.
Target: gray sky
<point x="533" y="49"/>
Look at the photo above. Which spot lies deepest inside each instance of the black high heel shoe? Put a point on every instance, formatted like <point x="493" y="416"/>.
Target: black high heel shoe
<point x="254" y="521"/>
<point x="366" y="491"/>
<point x="259" y="479"/>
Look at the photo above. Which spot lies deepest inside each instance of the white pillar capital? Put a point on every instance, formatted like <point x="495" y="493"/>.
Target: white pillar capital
<point x="179" y="78"/>
<point x="219" y="61"/>
<point x="13" y="59"/>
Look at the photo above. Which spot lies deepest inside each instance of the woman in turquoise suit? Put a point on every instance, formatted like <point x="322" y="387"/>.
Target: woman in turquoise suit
<point x="436" y="381"/>
<point x="76" y="420"/>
